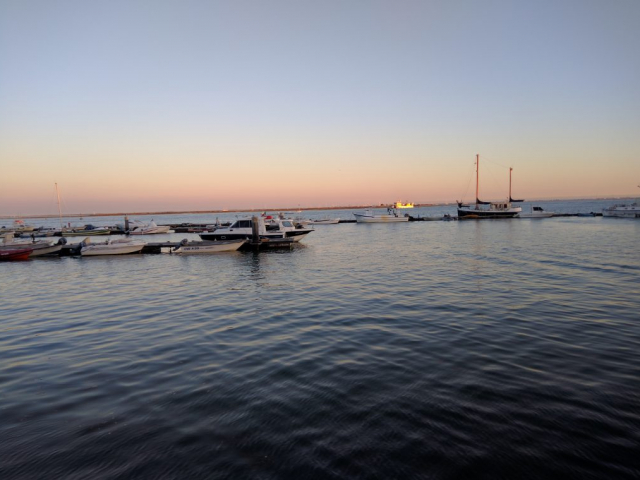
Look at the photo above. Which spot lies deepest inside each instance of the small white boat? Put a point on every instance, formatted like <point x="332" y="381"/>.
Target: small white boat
<point x="111" y="247"/>
<point x="536" y="212"/>
<point x="323" y="221"/>
<point x="623" y="211"/>
<point x="188" y="248"/>
<point x="390" y="217"/>
<point x="149" y="228"/>
<point x="39" y="247"/>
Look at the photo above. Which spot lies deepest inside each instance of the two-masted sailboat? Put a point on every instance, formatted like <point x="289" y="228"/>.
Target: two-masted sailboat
<point x="495" y="209"/>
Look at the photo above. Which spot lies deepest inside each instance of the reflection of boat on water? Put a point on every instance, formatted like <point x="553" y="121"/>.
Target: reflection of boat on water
<point x="111" y="247"/>
<point x="403" y="205"/>
<point x="536" y="212"/>
<point x="190" y="248"/>
<point x="495" y="209"/>
<point x="623" y="211"/>
<point x="390" y="217"/>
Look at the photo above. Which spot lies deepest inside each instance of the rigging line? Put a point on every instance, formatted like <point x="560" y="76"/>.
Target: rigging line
<point x="468" y="183"/>
<point x="485" y="158"/>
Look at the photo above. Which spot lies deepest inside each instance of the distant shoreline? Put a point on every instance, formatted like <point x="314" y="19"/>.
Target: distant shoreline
<point x="288" y="209"/>
<point x="193" y="212"/>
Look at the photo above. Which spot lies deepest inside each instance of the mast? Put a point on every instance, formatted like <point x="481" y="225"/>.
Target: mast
<point x="510" y="170"/>
<point x="477" y="177"/>
<point x="59" y="210"/>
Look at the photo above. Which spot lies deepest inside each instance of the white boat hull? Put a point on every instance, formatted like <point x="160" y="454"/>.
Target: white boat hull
<point x="116" y="248"/>
<point x="622" y="211"/>
<point x="214" y="247"/>
<point x="379" y="218"/>
<point x="329" y="221"/>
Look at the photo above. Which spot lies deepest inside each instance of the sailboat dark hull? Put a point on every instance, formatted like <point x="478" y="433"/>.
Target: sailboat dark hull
<point x="473" y="213"/>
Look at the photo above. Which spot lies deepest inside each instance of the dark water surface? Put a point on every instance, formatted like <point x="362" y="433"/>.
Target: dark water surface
<point x="477" y="349"/>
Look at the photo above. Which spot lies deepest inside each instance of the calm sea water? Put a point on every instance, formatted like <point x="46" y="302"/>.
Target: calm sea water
<point x="476" y="349"/>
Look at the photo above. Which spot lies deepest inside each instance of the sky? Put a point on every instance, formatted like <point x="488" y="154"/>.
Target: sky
<point x="200" y="105"/>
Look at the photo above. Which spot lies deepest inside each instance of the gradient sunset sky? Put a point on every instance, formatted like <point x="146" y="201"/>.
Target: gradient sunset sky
<point x="195" y="105"/>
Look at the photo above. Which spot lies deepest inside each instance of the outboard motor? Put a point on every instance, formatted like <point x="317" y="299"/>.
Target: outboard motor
<point x="62" y="241"/>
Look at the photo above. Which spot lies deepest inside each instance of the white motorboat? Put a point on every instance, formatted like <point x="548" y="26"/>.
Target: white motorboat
<point x="536" y="212"/>
<point x="111" y="247"/>
<point x="323" y="221"/>
<point x="189" y="248"/>
<point x="266" y="228"/>
<point x="150" y="228"/>
<point x="623" y="211"/>
<point x="39" y="247"/>
<point x="495" y="209"/>
<point x="390" y="217"/>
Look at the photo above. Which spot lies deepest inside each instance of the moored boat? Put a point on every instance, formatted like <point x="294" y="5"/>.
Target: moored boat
<point x="191" y="248"/>
<point x="323" y="221"/>
<point x="38" y="248"/>
<point x="87" y="230"/>
<point x="271" y="228"/>
<point x="536" y="212"/>
<point x="150" y="228"/>
<point x="631" y="210"/>
<point x="111" y="247"/>
<point x="494" y="209"/>
<point x="9" y="254"/>
<point x="390" y="217"/>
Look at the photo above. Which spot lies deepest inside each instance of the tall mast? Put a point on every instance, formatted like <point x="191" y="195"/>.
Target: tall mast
<point x="510" y="170"/>
<point x="59" y="210"/>
<point x="477" y="176"/>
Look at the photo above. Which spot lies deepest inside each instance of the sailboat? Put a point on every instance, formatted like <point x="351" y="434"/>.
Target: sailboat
<point x="495" y="209"/>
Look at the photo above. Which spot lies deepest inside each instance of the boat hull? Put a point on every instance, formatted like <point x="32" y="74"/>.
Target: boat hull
<point x="112" y="249"/>
<point x="295" y="235"/>
<point x="214" y="247"/>
<point x="7" y="255"/>
<point x="379" y="218"/>
<point x="472" y="213"/>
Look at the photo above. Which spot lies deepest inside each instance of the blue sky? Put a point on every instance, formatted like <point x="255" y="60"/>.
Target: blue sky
<point x="152" y="104"/>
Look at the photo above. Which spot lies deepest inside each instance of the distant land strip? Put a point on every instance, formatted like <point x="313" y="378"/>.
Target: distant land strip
<point x="289" y="209"/>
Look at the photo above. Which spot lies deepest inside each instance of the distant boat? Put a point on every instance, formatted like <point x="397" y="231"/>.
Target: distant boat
<point x="495" y="209"/>
<point x="323" y="221"/>
<point x="403" y="205"/>
<point x="536" y="212"/>
<point x="390" y="217"/>
<point x="623" y="211"/>
<point x="111" y="247"/>
<point x="87" y="230"/>
<point x="150" y="228"/>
